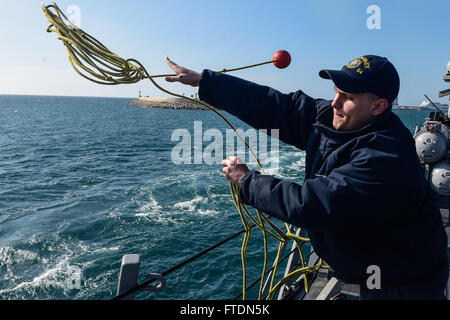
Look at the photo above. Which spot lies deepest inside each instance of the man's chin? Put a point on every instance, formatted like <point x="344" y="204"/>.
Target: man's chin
<point x="337" y="125"/>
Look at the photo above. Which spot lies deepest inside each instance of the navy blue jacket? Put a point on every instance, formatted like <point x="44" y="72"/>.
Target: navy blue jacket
<point x="364" y="200"/>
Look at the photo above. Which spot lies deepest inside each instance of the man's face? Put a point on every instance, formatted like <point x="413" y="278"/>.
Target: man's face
<point x="352" y="111"/>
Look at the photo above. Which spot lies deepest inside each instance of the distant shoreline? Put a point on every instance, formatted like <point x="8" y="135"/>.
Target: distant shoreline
<point x="408" y="108"/>
<point x="416" y="108"/>
<point x="167" y="103"/>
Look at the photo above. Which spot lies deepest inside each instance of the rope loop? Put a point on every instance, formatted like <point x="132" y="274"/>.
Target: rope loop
<point x="89" y="57"/>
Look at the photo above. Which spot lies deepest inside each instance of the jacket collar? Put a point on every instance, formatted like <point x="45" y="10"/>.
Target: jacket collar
<point x="324" y="122"/>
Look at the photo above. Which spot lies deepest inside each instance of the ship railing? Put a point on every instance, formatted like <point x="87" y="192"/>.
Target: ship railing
<point x="129" y="272"/>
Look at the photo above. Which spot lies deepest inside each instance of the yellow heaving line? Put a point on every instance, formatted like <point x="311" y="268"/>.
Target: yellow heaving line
<point x="95" y="62"/>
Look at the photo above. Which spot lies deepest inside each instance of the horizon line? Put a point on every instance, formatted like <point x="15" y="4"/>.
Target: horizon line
<point x="67" y="96"/>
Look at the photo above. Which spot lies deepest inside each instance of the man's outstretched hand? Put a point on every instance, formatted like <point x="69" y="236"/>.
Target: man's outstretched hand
<point x="233" y="167"/>
<point x="183" y="75"/>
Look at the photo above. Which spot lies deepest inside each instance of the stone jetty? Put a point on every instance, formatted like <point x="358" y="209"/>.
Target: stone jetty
<point x="167" y="103"/>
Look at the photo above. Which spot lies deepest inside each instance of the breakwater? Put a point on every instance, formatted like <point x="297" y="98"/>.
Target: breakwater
<point x="167" y="103"/>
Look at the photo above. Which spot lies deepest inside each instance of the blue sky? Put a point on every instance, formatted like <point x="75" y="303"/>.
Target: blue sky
<point x="212" y="34"/>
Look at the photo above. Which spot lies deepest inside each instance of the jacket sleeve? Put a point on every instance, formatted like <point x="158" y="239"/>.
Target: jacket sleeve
<point x="355" y="193"/>
<point x="260" y="106"/>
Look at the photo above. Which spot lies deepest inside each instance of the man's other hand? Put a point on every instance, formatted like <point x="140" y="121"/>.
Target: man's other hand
<point x="234" y="169"/>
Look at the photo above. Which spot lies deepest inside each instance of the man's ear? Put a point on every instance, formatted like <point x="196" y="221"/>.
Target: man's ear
<point x="379" y="106"/>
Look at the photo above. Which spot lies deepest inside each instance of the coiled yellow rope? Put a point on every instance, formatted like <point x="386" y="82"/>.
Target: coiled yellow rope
<point x="95" y="62"/>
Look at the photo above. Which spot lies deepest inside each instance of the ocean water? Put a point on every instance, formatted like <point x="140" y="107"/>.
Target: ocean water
<point x="84" y="181"/>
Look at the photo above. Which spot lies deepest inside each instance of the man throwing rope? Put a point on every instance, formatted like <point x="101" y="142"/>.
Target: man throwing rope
<point x="365" y="201"/>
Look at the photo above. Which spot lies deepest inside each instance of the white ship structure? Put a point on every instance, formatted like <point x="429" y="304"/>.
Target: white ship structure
<point x="426" y="105"/>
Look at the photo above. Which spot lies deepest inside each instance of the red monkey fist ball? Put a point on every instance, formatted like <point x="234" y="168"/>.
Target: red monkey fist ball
<point x="282" y="59"/>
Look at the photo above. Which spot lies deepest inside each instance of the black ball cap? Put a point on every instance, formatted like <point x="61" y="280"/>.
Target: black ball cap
<point x="369" y="73"/>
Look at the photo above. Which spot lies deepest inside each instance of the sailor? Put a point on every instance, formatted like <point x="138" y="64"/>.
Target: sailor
<point x="365" y="201"/>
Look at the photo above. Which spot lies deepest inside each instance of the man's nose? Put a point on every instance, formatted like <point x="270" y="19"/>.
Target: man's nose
<point x="337" y="103"/>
